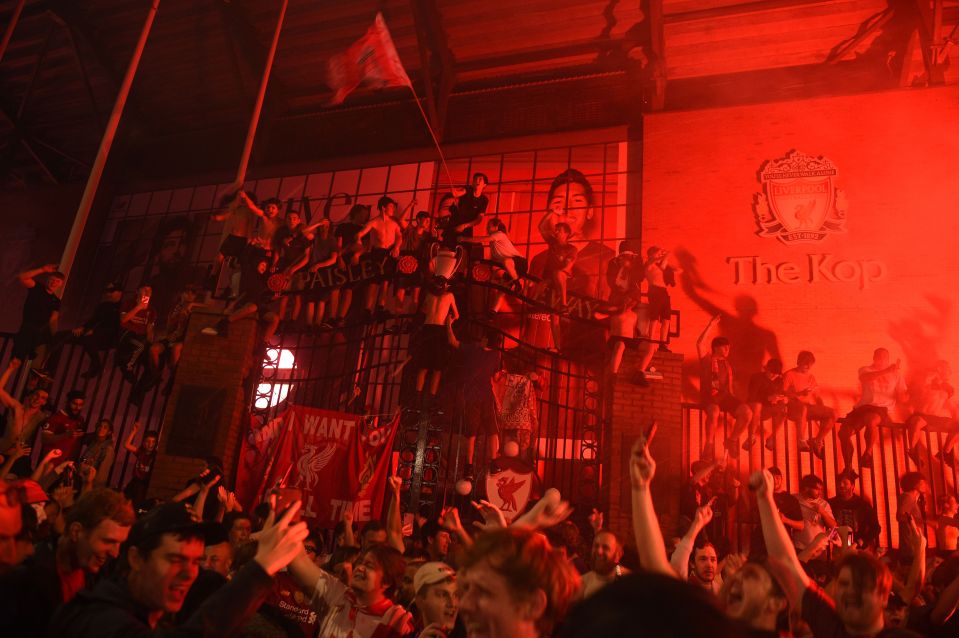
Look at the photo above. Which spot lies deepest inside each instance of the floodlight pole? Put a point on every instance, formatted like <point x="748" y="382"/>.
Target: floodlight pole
<point x="8" y="33"/>
<point x="96" y="172"/>
<point x="258" y="107"/>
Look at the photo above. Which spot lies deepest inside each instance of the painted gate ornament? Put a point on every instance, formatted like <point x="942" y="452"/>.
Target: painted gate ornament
<point x="800" y="201"/>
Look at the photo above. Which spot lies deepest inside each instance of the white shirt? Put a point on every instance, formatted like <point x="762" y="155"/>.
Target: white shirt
<point x="330" y="593"/>
<point x="812" y="520"/>
<point x="501" y="248"/>
<point x="881" y="391"/>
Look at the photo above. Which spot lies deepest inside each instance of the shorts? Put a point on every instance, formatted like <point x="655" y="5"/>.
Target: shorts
<point x="770" y="410"/>
<point x="659" y="308"/>
<point x="28" y="339"/>
<point x="814" y="411"/>
<point x="856" y="419"/>
<point x="630" y="342"/>
<point x="519" y="263"/>
<point x="480" y="418"/>
<point x="726" y="402"/>
<point x="233" y="246"/>
<point x="934" y="422"/>
<point x="433" y="349"/>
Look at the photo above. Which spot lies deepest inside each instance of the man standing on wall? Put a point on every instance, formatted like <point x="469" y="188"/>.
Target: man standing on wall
<point x="41" y="310"/>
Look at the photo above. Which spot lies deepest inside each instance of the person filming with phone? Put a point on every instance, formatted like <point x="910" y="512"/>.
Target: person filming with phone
<point x="136" y="332"/>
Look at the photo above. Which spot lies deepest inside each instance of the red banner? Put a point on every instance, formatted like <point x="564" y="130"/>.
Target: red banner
<point x="371" y="59"/>
<point x="339" y="460"/>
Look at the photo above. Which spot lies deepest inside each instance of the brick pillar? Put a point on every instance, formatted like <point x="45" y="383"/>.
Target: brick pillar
<point x="633" y="409"/>
<point x="204" y="415"/>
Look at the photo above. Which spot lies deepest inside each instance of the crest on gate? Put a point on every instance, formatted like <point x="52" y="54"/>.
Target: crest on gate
<point x="510" y="489"/>
<point x="800" y="201"/>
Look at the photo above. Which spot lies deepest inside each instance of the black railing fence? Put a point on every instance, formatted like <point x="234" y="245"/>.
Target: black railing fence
<point x="107" y="396"/>
<point x="879" y="485"/>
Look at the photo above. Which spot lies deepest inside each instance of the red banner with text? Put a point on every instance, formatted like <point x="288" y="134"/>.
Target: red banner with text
<point x="339" y="460"/>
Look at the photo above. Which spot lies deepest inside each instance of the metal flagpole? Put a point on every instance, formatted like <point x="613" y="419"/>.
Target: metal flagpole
<point x="93" y="182"/>
<point x="258" y="108"/>
<point x="10" y="27"/>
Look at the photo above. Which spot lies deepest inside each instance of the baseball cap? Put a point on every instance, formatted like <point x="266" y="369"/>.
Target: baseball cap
<point x="430" y="574"/>
<point x="170" y="518"/>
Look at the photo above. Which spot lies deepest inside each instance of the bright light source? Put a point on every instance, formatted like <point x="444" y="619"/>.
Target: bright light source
<point x="267" y="398"/>
<point x="271" y="394"/>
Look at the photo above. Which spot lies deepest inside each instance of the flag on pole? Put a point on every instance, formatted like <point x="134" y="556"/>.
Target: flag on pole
<point x="372" y="59"/>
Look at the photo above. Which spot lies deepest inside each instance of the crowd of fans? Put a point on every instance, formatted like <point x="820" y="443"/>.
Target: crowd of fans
<point x="86" y="561"/>
<point x="78" y="558"/>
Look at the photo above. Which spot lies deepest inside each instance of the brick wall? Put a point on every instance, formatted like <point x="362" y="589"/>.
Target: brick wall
<point x="634" y="408"/>
<point x="216" y="363"/>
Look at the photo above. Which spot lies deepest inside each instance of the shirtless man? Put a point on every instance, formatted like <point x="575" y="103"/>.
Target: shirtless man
<point x="436" y="337"/>
<point x="882" y="385"/>
<point x="386" y="236"/>
<point x="659" y="274"/>
<point x="237" y="212"/>
<point x="805" y="404"/>
<point x="23" y="419"/>
<point x="622" y="333"/>
<point x="270" y="223"/>
<point x="934" y="407"/>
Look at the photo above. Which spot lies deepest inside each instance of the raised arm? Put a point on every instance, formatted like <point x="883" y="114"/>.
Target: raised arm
<point x="649" y="537"/>
<point x="256" y="210"/>
<point x="700" y="342"/>
<point x="680" y="558"/>
<point x="947" y="603"/>
<point x="5" y="398"/>
<point x="128" y="444"/>
<point x="28" y="277"/>
<point x="349" y="539"/>
<point x="450" y="521"/>
<point x="394" y="522"/>
<point x="783" y="561"/>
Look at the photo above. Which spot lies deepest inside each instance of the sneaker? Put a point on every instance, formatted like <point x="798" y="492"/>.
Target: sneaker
<point x="210" y="331"/>
<point x="639" y="379"/>
<point x="916" y="457"/>
<point x="803" y="445"/>
<point x="819" y="449"/>
<point x="749" y="443"/>
<point x="866" y="460"/>
<point x="771" y="444"/>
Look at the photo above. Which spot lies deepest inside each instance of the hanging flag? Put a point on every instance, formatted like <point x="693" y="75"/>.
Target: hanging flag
<point x="338" y="460"/>
<point x="371" y="59"/>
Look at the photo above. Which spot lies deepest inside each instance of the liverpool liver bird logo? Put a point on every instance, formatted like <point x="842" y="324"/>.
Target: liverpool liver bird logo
<point x="506" y="488"/>
<point x="311" y="463"/>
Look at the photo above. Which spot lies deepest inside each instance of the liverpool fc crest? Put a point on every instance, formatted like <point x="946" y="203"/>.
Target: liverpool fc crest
<point x="800" y="200"/>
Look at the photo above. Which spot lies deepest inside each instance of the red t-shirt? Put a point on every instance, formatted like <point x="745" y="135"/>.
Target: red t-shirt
<point x="137" y="324"/>
<point x="287" y="598"/>
<point x="62" y="432"/>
